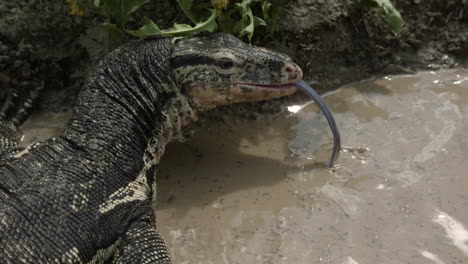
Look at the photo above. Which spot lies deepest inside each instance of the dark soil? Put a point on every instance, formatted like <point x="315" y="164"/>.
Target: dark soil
<point x="41" y="45"/>
<point x="335" y="43"/>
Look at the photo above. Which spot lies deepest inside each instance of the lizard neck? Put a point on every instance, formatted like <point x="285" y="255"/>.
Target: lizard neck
<point x="128" y="110"/>
<point x="98" y="176"/>
<point x="131" y="97"/>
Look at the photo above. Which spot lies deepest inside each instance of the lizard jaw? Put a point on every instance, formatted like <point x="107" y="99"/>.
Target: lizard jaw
<point x="284" y="86"/>
<point x="209" y="95"/>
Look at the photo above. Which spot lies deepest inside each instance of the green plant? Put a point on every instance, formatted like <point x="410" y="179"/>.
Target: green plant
<point x="390" y="15"/>
<point x="242" y="17"/>
<point x="238" y="17"/>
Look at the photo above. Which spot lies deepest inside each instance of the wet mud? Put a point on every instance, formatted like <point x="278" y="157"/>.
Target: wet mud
<point x="259" y="191"/>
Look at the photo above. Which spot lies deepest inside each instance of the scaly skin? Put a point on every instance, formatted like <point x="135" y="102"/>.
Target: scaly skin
<point x="87" y="196"/>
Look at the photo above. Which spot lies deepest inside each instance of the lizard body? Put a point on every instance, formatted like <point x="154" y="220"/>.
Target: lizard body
<point x="87" y="195"/>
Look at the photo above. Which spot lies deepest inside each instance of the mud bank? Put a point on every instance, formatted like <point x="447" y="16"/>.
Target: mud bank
<point x="41" y="45"/>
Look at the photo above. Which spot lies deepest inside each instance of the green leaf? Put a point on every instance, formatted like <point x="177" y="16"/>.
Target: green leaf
<point x="147" y="30"/>
<point x="186" y="5"/>
<point x="114" y="31"/>
<point x="119" y="10"/>
<point x="225" y="24"/>
<point x="390" y="15"/>
<point x="259" y="22"/>
<point x="151" y="29"/>
<point x="247" y="22"/>
<point x="174" y="39"/>
<point x="272" y="11"/>
<point x="208" y="25"/>
<point x="266" y="7"/>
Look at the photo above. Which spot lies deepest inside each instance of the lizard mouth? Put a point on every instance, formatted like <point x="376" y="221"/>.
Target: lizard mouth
<point x="275" y="86"/>
<point x="282" y="86"/>
<point x="211" y="94"/>
<point x="287" y="85"/>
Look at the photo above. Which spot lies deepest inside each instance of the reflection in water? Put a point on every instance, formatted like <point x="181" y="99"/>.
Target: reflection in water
<point x="360" y="153"/>
<point x="256" y="191"/>
<point x="431" y="256"/>
<point x="375" y="206"/>
<point x="437" y="144"/>
<point x="454" y="229"/>
<point x="294" y="108"/>
<point x="347" y="199"/>
<point x="350" y="260"/>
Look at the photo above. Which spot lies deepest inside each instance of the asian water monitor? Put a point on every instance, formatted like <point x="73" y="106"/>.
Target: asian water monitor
<point x="87" y="195"/>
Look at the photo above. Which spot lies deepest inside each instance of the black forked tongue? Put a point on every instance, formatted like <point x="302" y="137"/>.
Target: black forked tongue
<point x="328" y="115"/>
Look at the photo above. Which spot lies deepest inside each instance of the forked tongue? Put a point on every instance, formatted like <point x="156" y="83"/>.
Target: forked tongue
<point x="303" y="86"/>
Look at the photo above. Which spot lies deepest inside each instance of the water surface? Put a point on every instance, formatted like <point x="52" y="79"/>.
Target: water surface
<point x="259" y="191"/>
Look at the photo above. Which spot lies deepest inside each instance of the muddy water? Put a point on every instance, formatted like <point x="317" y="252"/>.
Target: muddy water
<point x="258" y="191"/>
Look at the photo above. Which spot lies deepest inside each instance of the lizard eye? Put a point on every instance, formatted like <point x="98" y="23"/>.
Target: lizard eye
<point x="226" y="64"/>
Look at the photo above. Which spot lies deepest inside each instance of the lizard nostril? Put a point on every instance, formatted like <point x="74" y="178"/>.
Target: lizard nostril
<point x="289" y="69"/>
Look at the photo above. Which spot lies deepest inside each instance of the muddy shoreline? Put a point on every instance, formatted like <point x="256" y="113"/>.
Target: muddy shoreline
<point x="333" y="42"/>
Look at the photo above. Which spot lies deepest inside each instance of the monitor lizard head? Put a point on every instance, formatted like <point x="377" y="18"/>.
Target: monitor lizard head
<point x="220" y="69"/>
